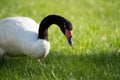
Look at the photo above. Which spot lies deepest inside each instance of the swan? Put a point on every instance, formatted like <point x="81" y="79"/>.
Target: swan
<point x="23" y="36"/>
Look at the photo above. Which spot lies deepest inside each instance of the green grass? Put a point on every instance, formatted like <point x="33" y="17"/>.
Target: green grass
<point x="96" y="36"/>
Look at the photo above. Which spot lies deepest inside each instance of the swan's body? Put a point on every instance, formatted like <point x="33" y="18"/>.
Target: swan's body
<point x="19" y="36"/>
<point x="23" y="36"/>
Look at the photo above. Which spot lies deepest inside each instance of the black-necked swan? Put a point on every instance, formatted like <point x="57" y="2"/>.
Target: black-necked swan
<point x="23" y="36"/>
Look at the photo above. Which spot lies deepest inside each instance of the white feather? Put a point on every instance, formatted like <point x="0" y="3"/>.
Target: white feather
<point x="19" y="36"/>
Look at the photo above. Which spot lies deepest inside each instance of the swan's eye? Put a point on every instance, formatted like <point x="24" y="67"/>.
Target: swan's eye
<point x="65" y="26"/>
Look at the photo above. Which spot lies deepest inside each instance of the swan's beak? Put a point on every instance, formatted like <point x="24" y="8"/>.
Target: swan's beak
<point x="68" y="34"/>
<point x="70" y="41"/>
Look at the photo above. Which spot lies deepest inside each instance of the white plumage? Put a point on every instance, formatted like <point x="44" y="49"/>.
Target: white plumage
<point x="19" y="36"/>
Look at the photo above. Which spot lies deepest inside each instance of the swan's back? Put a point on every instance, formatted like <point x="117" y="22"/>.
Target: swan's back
<point x="16" y="32"/>
<point x="21" y="23"/>
<point x="21" y="27"/>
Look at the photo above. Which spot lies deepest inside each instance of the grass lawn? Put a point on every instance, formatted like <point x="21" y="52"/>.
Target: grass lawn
<point x="96" y="35"/>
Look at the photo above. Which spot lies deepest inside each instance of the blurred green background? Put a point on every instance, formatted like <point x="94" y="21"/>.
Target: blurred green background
<point x="96" y="35"/>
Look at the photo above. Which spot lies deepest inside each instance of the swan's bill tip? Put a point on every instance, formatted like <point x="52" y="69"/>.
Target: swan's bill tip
<point x="70" y="42"/>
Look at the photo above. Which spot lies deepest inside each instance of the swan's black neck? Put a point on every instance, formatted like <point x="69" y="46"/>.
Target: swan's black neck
<point x="53" y="19"/>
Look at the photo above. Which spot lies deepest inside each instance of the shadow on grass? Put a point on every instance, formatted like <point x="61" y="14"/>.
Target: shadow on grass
<point x="58" y="65"/>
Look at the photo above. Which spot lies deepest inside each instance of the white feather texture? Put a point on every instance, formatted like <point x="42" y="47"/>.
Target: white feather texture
<point x="19" y="36"/>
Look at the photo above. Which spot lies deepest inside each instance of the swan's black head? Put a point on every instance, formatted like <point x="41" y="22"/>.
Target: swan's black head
<point x="64" y="25"/>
